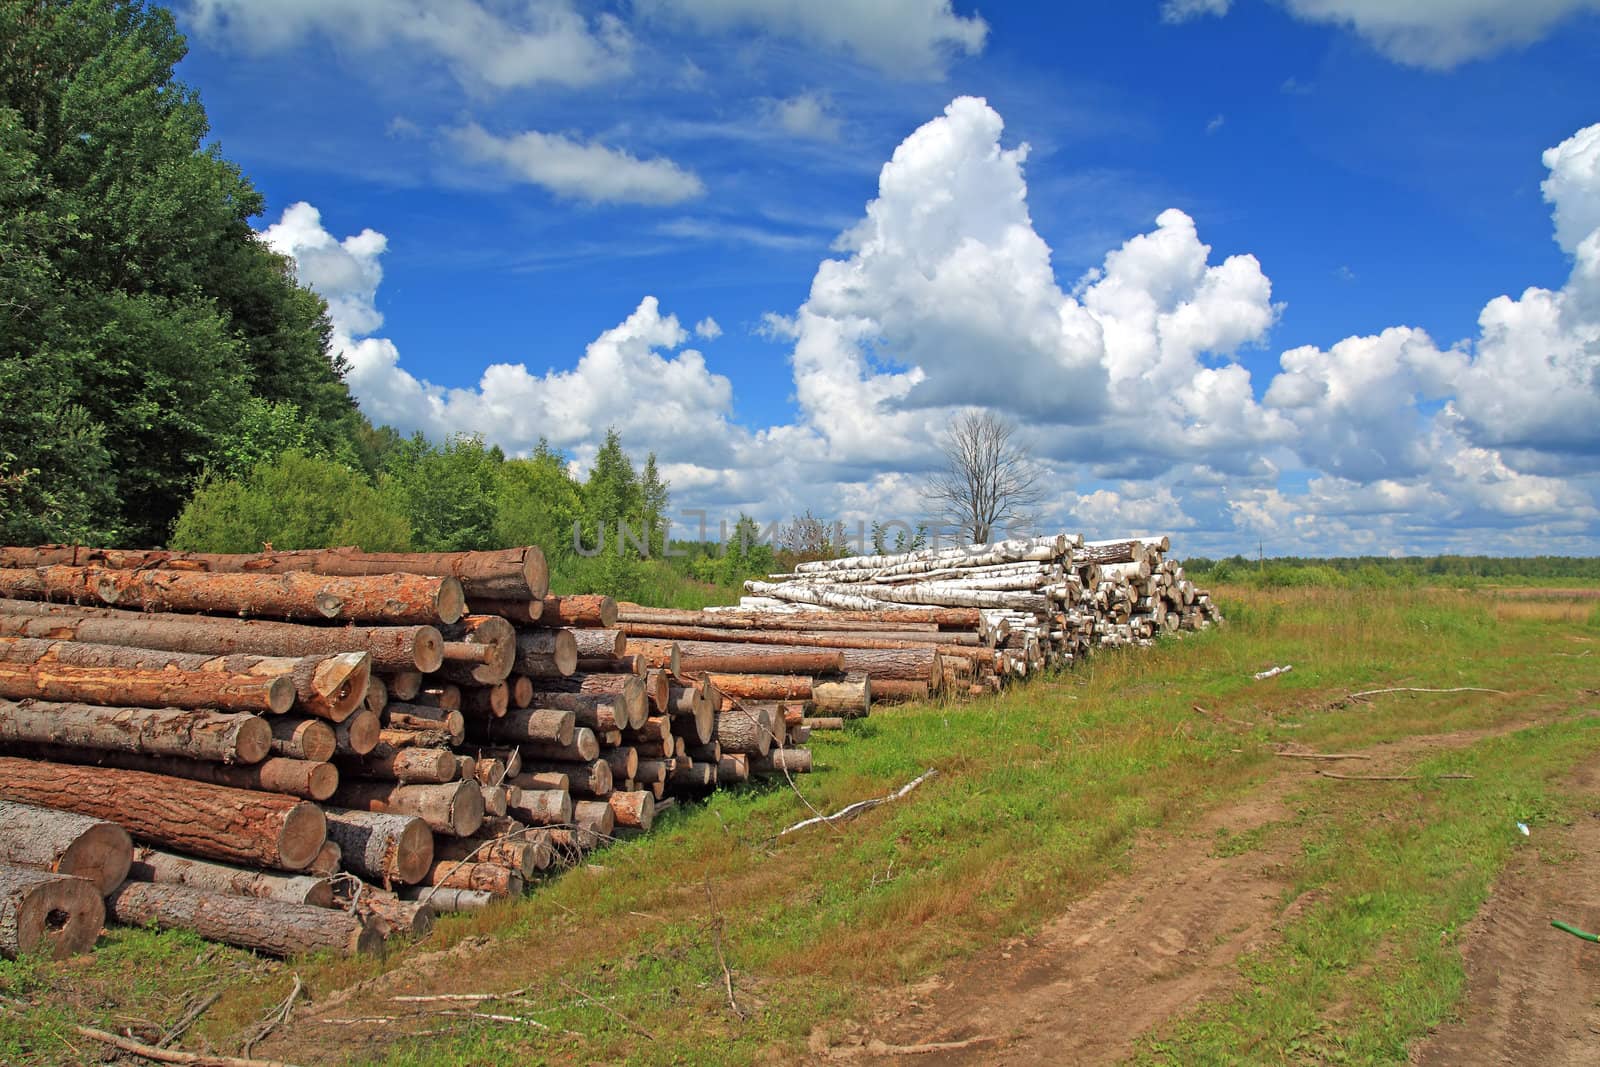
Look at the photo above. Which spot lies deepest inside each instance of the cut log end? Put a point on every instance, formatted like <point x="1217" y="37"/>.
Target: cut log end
<point x="304" y="831"/>
<point x="451" y="603"/>
<point x="48" y="914"/>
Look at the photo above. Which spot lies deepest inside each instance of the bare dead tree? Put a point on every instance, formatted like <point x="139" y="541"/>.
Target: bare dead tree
<point x="988" y="478"/>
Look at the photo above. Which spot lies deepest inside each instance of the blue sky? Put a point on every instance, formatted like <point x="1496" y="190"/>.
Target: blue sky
<point x="537" y="169"/>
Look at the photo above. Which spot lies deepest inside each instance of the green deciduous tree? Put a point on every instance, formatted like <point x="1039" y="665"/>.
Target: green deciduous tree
<point x="448" y="494"/>
<point x="139" y="313"/>
<point x="292" y="501"/>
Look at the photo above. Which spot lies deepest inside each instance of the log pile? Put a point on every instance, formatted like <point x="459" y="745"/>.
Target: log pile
<point x="954" y="620"/>
<point x="314" y="750"/>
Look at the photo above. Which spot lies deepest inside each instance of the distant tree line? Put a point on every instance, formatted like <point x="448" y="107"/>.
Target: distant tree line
<point x="1388" y="570"/>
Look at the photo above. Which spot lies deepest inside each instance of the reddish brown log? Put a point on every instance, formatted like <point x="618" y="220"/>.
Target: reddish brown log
<point x="596" y="817"/>
<point x="389" y="598"/>
<point x="386" y="910"/>
<point x="577" y="611"/>
<point x="521" y="691"/>
<point x="390" y="647"/>
<point x="64" y="843"/>
<point x="546" y="654"/>
<point x="597" y="641"/>
<point x="543" y="807"/>
<point x="814" y="638"/>
<point x="512" y="573"/>
<point x="455" y="809"/>
<point x="325" y="686"/>
<point x="612" y="665"/>
<point x="377" y="697"/>
<point x="489" y="701"/>
<point x="779" y="760"/>
<point x="529" y="726"/>
<point x="479" y="650"/>
<point x="412" y="766"/>
<point x="47" y="914"/>
<point x="763" y="686"/>
<point x="747" y="729"/>
<point x="692" y="712"/>
<point x="267" y="926"/>
<point x="635" y="809"/>
<point x="403" y="686"/>
<point x="519" y="855"/>
<point x="954" y="618"/>
<point x="660" y="655"/>
<point x="382" y="847"/>
<point x="168" y="868"/>
<point x="626" y="692"/>
<point x="532" y="781"/>
<point x="491" y="878"/>
<point x="583" y="779"/>
<point x="200" y="735"/>
<point x="307" y="739"/>
<point x="326" y="863"/>
<point x="358" y="734"/>
<point x="276" y="774"/>
<point x="896" y="691"/>
<point x="421" y="717"/>
<point x="193" y="817"/>
<point x="624" y="761"/>
<point x="582" y="748"/>
<point x="700" y="657"/>
<point x="653" y="771"/>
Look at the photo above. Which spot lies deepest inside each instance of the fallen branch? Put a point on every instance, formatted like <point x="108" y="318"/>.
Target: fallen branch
<point x="1320" y="755"/>
<point x="189" y="1018"/>
<point x="716" y="930"/>
<point x="1413" y="689"/>
<point x="1393" y="777"/>
<point x="167" y="1055"/>
<point x="861" y="805"/>
<point x="879" y="1048"/>
<point x="1273" y="672"/>
<point x="458" y="998"/>
<point x="274" y="1020"/>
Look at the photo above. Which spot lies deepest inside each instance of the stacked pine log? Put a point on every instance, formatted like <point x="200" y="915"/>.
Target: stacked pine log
<point x="959" y="620"/>
<point x="314" y="750"/>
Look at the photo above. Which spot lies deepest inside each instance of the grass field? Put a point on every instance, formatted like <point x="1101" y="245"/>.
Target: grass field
<point x="1041" y="795"/>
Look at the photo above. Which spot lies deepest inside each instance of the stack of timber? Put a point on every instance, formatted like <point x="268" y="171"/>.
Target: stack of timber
<point x="315" y="750"/>
<point x="957" y="620"/>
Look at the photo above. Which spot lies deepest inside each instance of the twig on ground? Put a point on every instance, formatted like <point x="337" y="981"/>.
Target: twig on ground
<point x="861" y="805"/>
<point x="1273" y="672"/>
<point x="878" y="1048"/>
<point x="1394" y="777"/>
<point x="716" y="934"/>
<point x="276" y="1019"/>
<point x="631" y="1025"/>
<point x="188" y="1019"/>
<point x="468" y="998"/>
<point x="169" y="1055"/>
<point x="1320" y="755"/>
<point x="1414" y="689"/>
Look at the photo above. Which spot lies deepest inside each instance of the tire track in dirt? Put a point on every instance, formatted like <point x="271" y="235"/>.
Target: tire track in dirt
<point x="1533" y="992"/>
<point x="1143" y="948"/>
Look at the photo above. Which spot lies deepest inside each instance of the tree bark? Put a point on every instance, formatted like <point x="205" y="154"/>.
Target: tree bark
<point x="596" y="817"/>
<point x="486" y="701"/>
<point x="699" y="657"/>
<point x="583" y="747"/>
<point x="389" y="598"/>
<point x="403" y="686"/>
<point x="897" y="691"/>
<point x="734" y="767"/>
<point x="64" y="843"/>
<point x="268" y="926"/>
<point x="546" y="653"/>
<point x="512" y="573"/>
<point x="851" y="696"/>
<point x="543" y="807"/>
<point x="599" y="641"/>
<point x="326" y="686"/>
<point x="491" y="878"/>
<point x="747" y="730"/>
<point x="194" y="817"/>
<point x="455" y="809"/>
<point x="409" y="766"/>
<point x="520" y="856"/>
<point x="291" y="777"/>
<point x="442" y="899"/>
<point x="54" y="915"/>
<point x="591" y="779"/>
<point x="359" y="734"/>
<point x="635" y="808"/>
<point x="763" y="686"/>
<point x="382" y="847"/>
<point x="479" y="650"/>
<point x="587" y="610"/>
<point x="167" y="868"/>
<point x="550" y="726"/>
<point x="307" y="739"/>
<point x="201" y="735"/>
<point x="627" y="693"/>
<point x="392" y="648"/>
<point x="779" y="760"/>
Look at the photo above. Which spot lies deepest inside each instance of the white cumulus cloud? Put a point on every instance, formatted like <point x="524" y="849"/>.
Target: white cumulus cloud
<point x="576" y="170"/>
<point x="908" y="38"/>
<point x="488" y="46"/>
